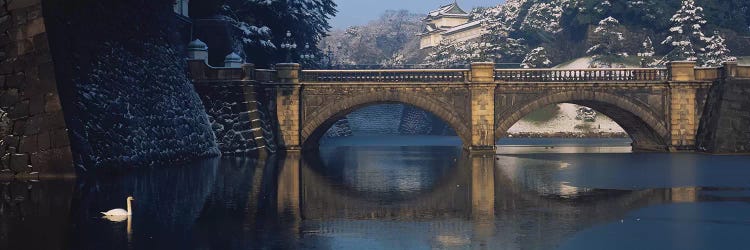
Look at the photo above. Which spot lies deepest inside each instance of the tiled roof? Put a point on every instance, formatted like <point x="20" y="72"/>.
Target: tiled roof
<point x="465" y="26"/>
<point x="448" y="10"/>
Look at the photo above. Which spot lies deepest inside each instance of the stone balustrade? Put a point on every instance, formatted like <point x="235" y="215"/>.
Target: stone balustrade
<point x="581" y="75"/>
<point x="387" y="75"/>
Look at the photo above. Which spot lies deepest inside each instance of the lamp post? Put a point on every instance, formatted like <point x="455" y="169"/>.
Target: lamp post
<point x="329" y="58"/>
<point x="307" y="56"/>
<point x="288" y="44"/>
<point x="336" y="62"/>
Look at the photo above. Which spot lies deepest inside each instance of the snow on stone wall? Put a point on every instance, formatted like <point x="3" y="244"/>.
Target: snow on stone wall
<point x="231" y="118"/>
<point x="123" y="84"/>
<point x="340" y="129"/>
<point x="140" y="109"/>
<point x="415" y="122"/>
<point x="4" y="125"/>
<point x="389" y="119"/>
<point x="376" y="119"/>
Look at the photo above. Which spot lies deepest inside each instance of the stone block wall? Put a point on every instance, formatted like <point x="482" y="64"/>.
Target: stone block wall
<point x="237" y="117"/>
<point x="682" y="120"/>
<point x="123" y="84"/>
<point x="725" y="125"/>
<point x="35" y="141"/>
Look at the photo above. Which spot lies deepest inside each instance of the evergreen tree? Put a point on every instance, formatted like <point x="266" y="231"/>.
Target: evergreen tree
<point x="687" y="37"/>
<point x="716" y="52"/>
<point x="537" y="58"/>
<point x="457" y="54"/>
<point x="261" y="25"/>
<point x="501" y="42"/>
<point x="543" y="17"/>
<point x="609" y="39"/>
<point x="389" y="40"/>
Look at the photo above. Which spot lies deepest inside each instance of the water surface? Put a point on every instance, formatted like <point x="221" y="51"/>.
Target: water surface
<point x="535" y="194"/>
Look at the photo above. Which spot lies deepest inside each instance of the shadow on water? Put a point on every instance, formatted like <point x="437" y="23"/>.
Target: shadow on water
<point x="379" y="197"/>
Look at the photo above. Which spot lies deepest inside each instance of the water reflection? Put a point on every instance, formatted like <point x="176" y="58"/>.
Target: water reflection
<point x="384" y="198"/>
<point x="35" y="215"/>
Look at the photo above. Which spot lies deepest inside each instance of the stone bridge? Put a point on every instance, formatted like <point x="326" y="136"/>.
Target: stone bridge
<point x="660" y="108"/>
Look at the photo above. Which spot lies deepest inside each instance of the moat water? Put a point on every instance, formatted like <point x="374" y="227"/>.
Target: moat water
<point x="365" y="193"/>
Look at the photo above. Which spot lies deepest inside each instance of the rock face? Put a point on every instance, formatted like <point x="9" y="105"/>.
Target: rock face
<point x="724" y="126"/>
<point x="123" y="84"/>
<point x="33" y="135"/>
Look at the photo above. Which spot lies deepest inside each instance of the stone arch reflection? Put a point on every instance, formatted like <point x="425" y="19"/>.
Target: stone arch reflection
<point x="482" y="196"/>
<point x="386" y="173"/>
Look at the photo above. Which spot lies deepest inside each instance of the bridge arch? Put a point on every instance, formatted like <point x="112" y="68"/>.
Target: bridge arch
<point x="645" y="128"/>
<point x="318" y="122"/>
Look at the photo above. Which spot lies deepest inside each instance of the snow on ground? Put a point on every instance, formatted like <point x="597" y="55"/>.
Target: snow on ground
<point x="580" y="63"/>
<point x="566" y="122"/>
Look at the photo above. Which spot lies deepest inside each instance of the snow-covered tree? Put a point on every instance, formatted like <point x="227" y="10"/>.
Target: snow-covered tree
<point x="608" y="38"/>
<point x="603" y="7"/>
<point x="687" y="38"/>
<point x="261" y="24"/>
<point x="716" y="52"/>
<point x="388" y="40"/>
<point x="537" y="58"/>
<point x="499" y="21"/>
<point x="543" y="17"/>
<point x="455" y="54"/>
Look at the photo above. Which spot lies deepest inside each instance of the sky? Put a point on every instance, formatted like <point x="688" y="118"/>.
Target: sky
<point x="358" y="12"/>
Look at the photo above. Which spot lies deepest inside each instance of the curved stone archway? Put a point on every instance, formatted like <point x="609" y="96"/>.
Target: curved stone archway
<point x="645" y="128"/>
<point x="320" y="121"/>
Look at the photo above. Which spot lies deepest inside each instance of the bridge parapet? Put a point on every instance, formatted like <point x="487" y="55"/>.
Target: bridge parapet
<point x="202" y="72"/>
<point x="732" y="70"/>
<point x="707" y="74"/>
<point x="743" y="72"/>
<point x="581" y="75"/>
<point x="386" y="75"/>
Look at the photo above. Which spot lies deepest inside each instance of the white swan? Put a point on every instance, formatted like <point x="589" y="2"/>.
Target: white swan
<point x="119" y="212"/>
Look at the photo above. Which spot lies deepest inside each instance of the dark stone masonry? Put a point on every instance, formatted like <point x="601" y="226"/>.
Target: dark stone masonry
<point x="35" y="142"/>
<point x="725" y="127"/>
<point x="124" y="86"/>
<point x="238" y="118"/>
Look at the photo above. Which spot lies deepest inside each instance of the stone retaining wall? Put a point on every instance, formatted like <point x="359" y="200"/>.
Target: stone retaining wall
<point x="123" y="84"/>
<point x="725" y="126"/>
<point x="36" y="143"/>
<point x="238" y="118"/>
